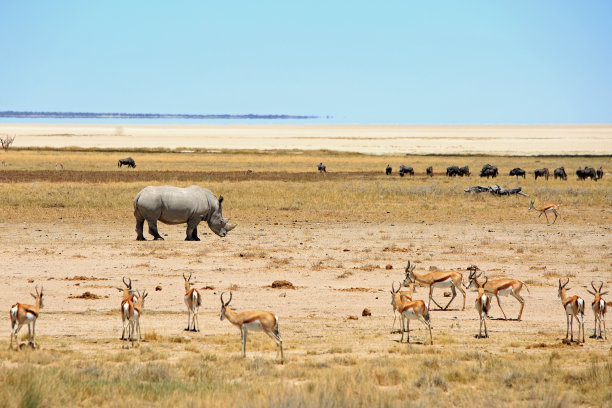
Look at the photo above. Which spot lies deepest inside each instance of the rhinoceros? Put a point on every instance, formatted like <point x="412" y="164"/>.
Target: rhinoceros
<point x="174" y="205"/>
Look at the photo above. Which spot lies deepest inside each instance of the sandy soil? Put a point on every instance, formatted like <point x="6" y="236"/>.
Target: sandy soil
<point x="339" y="269"/>
<point x="373" y="139"/>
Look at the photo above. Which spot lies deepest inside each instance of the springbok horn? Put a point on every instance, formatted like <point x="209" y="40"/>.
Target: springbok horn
<point x="600" y="286"/>
<point x="399" y="287"/>
<point x="144" y="294"/>
<point x="393" y="287"/>
<point x="485" y="282"/>
<point x="230" y="299"/>
<point x="190" y="273"/>
<point x="408" y="266"/>
<point x="184" y="277"/>
<point x="593" y="286"/>
<point x="566" y="282"/>
<point x="223" y="303"/>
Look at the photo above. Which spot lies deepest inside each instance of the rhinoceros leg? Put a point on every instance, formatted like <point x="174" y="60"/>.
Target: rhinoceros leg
<point x="139" y="227"/>
<point x="192" y="230"/>
<point x="153" y="230"/>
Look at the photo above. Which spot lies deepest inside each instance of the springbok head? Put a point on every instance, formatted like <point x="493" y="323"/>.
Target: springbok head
<point x="562" y="287"/>
<point x="473" y="275"/>
<point x="597" y="292"/>
<point x="409" y="273"/>
<point x="224" y="304"/>
<point x="188" y="282"/>
<point x="38" y="295"/>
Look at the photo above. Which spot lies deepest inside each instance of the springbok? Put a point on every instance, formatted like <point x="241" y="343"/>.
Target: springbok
<point x="404" y="294"/>
<point x="483" y="306"/>
<point x="574" y="307"/>
<point x="411" y="310"/>
<point x="498" y="287"/>
<point x="546" y="208"/>
<point x="59" y="165"/>
<point x="599" y="310"/>
<point x="438" y="279"/>
<point x="21" y="313"/>
<point x="193" y="300"/>
<point x="128" y="295"/>
<point x="133" y="310"/>
<point x="255" y="321"/>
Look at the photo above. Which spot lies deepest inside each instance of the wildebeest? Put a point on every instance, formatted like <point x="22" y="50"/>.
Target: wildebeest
<point x="174" y="205"/>
<point x="585" y="173"/>
<point x="406" y="170"/>
<point x="560" y="173"/>
<point x="488" y="171"/>
<point x="452" y="171"/>
<point x="464" y="171"/>
<point x="600" y="173"/>
<point x="388" y="170"/>
<point x="321" y="167"/>
<point x="541" y="173"/>
<point x="429" y="171"/>
<point x="517" y="172"/>
<point x="127" y="162"/>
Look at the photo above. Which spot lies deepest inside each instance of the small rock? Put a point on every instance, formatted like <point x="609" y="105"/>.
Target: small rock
<point x="282" y="284"/>
<point x="388" y="266"/>
<point x="447" y="294"/>
<point x="30" y="280"/>
<point x="351" y="317"/>
<point x="158" y="288"/>
<point x="366" y="312"/>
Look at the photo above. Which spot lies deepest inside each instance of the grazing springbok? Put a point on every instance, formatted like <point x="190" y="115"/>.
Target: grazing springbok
<point x="438" y="279"/>
<point x="128" y="295"/>
<point x="21" y="313"/>
<point x="59" y="165"/>
<point x="546" y="208"/>
<point x="599" y="310"/>
<point x="483" y="306"/>
<point x="193" y="300"/>
<point x="498" y="287"/>
<point x="133" y="311"/>
<point x="574" y="307"/>
<point x="411" y="310"/>
<point x="255" y="320"/>
<point x="404" y="294"/>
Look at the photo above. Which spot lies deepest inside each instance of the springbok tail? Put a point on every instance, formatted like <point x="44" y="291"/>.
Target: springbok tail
<point x="525" y="285"/>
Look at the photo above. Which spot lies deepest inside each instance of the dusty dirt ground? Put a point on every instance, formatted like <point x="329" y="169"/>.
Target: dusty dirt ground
<point x="338" y="270"/>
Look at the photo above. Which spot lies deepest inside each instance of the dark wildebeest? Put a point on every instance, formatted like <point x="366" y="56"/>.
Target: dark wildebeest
<point x="600" y="173"/>
<point x="464" y="171"/>
<point x="429" y="171"/>
<point x="541" y="173"/>
<point x="517" y="172"/>
<point x="388" y="170"/>
<point x="488" y="171"/>
<point x="560" y="173"/>
<point x="406" y="170"/>
<point x="322" y="168"/>
<point x="126" y="162"/>
<point x="585" y="173"/>
<point x="452" y="171"/>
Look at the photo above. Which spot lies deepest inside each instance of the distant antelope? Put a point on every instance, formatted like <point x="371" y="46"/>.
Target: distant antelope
<point x="21" y="313"/>
<point x="134" y="311"/>
<point x="193" y="300"/>
<point x="599" y="310"/>
<point x="439" y="279"/>
<point x="411" y="310"/>
<point x="483" y="306"/>
<point x="545" y="208"/>
<point x="574" y="307"/>
<point x="128" y="295"/>
<point x="322" y="169"/>
<point x="404" y="294"/>
<point x="255" y="321"/>
<point x="59" y="165"/>
<point x="498" y="287"/>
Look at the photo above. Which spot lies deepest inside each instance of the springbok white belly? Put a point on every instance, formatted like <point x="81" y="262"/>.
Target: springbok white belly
<point x="255" y="325"/>
<point x="506" y="291"/>
<point x="447" y="283"/>
<point x="410" y="314"/>
<point x="568" y="309"/>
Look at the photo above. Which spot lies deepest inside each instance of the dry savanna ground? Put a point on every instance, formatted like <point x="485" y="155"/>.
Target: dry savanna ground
<point x="341" y="240"/>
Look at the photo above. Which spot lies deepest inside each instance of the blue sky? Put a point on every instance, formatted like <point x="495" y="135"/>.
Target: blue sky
<point x="404" y="62"/>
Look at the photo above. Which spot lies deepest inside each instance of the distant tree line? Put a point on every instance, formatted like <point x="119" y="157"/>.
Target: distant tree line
<point x="120" y="115"/>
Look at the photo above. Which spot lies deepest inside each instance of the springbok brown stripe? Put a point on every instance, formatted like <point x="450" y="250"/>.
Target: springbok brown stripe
<point x="33" y="312"/>
<point x="441" y="279"/>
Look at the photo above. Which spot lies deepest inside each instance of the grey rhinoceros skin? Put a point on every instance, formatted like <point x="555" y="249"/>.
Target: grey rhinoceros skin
<point x="175" y="205"/>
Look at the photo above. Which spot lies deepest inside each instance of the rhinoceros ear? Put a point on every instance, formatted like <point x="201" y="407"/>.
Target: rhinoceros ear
<point x="220" y="199"/>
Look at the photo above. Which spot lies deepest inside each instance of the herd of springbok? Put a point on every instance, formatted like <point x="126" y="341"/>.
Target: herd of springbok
<point x="132" y="304"/>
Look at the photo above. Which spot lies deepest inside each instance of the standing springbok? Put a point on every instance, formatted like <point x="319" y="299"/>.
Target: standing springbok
<point x="128" y="294"/>
<point x="483" y="306"/>
<point x="546" y="208"/>
<point x="498" y="287"/>
<point x="438" y="279"/>
<point x="404" y="294"/>
<point x="574" y="307"/>
<point x="599" y="310"/>
<point x="411" y="310"/>
<point x="133" y="310"/>
<point x="193" y="300"/>
<point x="21" y="313"/>
<point x="255" y="320"/>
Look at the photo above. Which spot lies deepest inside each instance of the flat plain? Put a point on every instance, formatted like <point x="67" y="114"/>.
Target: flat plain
<point x="341" y="239"/>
